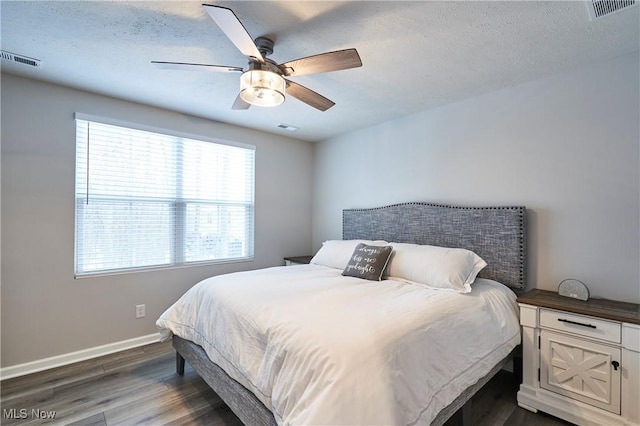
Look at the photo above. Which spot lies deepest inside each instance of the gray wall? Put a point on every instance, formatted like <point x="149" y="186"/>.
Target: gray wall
<point x="566" y="146"/>
<point x="45" y="311"/>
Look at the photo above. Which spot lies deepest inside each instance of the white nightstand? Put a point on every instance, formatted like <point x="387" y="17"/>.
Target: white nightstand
<point x="581" y="359"/>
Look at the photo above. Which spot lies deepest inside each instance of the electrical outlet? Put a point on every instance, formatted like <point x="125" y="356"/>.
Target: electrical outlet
<point x="140" y="311"/>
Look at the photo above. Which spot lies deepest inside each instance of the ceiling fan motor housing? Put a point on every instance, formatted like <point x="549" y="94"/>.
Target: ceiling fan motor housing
<point x="264" y="45"/>
<point x="267" y="65"/>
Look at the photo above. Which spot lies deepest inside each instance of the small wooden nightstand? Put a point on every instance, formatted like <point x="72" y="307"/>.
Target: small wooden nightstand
<point x="297" y="260"/>
<point x="581" y="359"/>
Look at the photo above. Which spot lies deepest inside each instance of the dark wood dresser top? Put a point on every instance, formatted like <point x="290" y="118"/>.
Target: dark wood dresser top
<point x="601" y="308"/>
<point x="299" y="259"/>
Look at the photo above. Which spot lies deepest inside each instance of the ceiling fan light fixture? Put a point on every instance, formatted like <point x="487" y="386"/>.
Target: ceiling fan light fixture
<point x="262" y="88"/>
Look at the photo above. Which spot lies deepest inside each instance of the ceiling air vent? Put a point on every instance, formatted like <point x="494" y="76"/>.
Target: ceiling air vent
<point x="600" y="8"/>
<point x="288" y="127"/>
<point x="8" y="56"/>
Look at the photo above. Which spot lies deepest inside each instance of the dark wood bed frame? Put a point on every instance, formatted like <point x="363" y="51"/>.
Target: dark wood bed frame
<point x="497" y="234"/>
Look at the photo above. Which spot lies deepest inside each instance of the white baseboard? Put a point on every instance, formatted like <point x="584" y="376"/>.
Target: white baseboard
<point x="66" y="359"/>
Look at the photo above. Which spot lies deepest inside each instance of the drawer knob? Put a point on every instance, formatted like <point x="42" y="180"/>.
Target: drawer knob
<point x="615" y="364"/>
<point x="576" y="323"/>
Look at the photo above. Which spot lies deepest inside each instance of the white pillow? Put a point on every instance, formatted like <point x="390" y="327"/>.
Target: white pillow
<point x="437" y="267"/>
<point x="336" y="253"/>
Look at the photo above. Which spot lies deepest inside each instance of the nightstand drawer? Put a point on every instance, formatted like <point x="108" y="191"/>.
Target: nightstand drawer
<point x="582" y="325"/>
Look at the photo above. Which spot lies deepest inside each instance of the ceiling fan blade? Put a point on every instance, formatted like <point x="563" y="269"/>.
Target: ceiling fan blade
<point x="324" y="62"/>
<point x="240" y="104"/>
<point x="233" y="28"/>
<point x="194" y="67"/>
<point x="308" y="96"/>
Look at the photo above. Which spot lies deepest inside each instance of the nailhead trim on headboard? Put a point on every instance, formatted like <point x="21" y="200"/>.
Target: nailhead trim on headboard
<point x="497" y="234"/>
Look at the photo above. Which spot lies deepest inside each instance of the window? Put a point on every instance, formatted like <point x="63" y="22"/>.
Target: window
<point x="148" y="200"/>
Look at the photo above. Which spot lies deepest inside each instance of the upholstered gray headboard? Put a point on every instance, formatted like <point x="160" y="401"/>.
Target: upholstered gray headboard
<point x="497" y="234"/>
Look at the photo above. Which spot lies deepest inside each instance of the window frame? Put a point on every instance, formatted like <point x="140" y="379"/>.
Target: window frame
<point x="177" y="258"/>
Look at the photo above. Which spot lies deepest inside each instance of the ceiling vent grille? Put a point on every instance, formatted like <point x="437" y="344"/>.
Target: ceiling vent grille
<point x="8" y="56"/>
<point x="600" y="8"/>
<point x="288" y="127"/>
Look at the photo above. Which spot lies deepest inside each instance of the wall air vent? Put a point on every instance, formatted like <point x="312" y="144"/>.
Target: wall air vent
<point x="8" y="56"/>
<point x="601" y="8"/>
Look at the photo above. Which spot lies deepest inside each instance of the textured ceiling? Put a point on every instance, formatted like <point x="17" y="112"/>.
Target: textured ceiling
<point x="416" y="55"/>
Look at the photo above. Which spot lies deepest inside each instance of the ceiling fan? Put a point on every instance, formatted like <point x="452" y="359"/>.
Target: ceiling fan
<point x="263" y="83"/>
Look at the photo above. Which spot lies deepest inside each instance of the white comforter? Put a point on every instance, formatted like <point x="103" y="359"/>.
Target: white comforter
<point x="319" y="348"/>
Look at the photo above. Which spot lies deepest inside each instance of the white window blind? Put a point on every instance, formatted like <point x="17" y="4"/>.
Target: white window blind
<point x="148" y="200"/>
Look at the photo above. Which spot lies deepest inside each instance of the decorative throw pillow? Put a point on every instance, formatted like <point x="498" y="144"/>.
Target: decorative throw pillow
<point x="336" y="253"/>
<point x="368" y="262"/>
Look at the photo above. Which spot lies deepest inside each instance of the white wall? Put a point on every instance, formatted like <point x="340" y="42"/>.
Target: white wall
<point x="566" y="147"/>
<point x="45" y="311"/>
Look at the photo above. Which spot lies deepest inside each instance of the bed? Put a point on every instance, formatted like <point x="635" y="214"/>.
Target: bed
<point x="351" y="367"/>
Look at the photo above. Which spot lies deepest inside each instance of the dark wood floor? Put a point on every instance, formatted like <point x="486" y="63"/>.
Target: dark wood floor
<point x="140" y="387"/>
